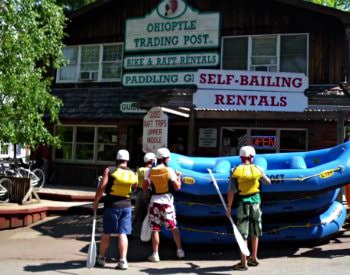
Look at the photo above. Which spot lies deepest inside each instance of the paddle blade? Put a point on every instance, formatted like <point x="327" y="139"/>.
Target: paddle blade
<point x="91" y="258"/>
<point x="146" y="230"/>
<point x="240" y="241"/>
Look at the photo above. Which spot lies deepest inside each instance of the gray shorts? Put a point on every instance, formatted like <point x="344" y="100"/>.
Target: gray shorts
<point x="249" y="219"/>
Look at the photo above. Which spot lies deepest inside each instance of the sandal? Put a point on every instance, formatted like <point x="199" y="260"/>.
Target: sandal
<point x="240" y="266"/>
<point x="252" y="262"/>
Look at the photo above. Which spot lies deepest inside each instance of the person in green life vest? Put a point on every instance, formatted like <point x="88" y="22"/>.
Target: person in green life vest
<point x="116" y="182"/>
<point x="245" y="183"/>
<point x="142" y="198"/>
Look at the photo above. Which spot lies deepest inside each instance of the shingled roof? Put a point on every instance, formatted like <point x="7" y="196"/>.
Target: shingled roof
<point x="104" y="103"/>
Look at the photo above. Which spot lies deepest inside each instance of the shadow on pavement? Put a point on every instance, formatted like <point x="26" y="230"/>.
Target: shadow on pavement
<point x="192" y="269"/>
<point x="55" y="266"/>
<point x="79" y="227"/>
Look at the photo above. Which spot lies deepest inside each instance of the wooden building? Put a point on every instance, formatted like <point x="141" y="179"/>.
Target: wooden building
<point x="104" y="101"/>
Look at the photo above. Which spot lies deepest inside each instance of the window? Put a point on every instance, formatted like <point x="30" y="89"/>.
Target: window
<point x="112" y="62"/>
<point x="94" y="63"/>
<point x="293" y="140"/>
<point x="262" y="139"/>
<point x="66" y="136"/>
<point x="69" y="71"/>
<point x="272" y="53"/>
<point x="87" y="143"/>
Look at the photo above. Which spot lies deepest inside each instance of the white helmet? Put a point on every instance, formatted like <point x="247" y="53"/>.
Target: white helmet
<point x="123" y="155"/>
<point x="163" y="153"/>
<point x="148" y="157"/>
<point x="247" y="151"/>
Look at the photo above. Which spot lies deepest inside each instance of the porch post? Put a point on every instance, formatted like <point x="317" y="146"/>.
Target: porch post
<point x="191" y="130"/>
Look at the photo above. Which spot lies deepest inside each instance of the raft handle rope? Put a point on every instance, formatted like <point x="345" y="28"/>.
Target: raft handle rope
<point x="311" y="176"/>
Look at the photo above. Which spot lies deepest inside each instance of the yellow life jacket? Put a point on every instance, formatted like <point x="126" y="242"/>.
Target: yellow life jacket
<point x="160" y="180"/>
<point x="123" y="179"/>
<point x="247" y="179"/>
<point x="141" y="176"/>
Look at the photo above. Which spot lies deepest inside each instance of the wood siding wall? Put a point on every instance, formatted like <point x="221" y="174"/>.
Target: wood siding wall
<point x="327" y="54"/>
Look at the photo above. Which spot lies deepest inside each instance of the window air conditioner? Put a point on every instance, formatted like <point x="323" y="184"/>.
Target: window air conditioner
<point x="88" y="76"/>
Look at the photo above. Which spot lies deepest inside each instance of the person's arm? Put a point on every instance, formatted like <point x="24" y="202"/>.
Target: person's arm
<point x="146" y="181"/>
<point x="101" y="188"/>
<point x="230" y="196"/>
<point x="264" y="178"/>
<point x="175" y="179"/>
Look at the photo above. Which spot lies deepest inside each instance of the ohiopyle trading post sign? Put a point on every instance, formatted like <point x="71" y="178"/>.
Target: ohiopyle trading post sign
<point x="251" y="91"/>
<point x="154" y="41"/>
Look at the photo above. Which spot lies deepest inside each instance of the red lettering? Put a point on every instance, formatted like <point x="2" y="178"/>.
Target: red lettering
<point x="229" y="79"/>
<point x="244" y="80"/>
<point x="211" y="79"/>
<point x="219" y="99"/>
<point x="202" y="78"/>
<point x="297" y="82"/>
<point x="230" y="100"/>
<point x="283" y="101"/>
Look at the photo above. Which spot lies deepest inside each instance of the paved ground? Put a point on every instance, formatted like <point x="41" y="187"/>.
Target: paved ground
<point x="59" y="245"/>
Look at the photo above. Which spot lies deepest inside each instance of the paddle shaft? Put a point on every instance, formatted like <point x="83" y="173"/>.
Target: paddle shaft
<point x="241" y="242"/>
<point x="93" y="227"/>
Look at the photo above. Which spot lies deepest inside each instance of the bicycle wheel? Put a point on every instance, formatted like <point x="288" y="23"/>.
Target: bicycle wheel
<point x="4" y="195"/>
<point x="39" y="173"/>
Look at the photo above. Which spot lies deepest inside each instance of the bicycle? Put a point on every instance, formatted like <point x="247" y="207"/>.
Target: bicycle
<point x="4" y="195"/>
<point x="17" y="169"/>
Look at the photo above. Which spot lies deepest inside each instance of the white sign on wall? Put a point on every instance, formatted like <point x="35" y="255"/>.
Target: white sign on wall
<point x="129" y="107"/>
<point x="251" y="90"/>
<point x="172" y="25"/>
<point x="159" y="78"/>
<point x="250" y="100"/>
<point x="251" y="80"/>
<point x="183" y="60"/>
<point x="155" y="130"/>
<point x="207" y="137"/>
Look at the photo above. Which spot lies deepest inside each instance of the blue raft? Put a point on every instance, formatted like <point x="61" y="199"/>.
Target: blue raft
<point x="213" y="208"/>
<point x="318" y="227"/>
<point x="293" y="175"/>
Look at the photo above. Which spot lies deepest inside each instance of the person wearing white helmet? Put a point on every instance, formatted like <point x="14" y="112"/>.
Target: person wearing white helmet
<point x="116" y="182"/>
<point x="163" y="180"/>
<point x="245" y="184"/>
<point x="142" y="198"/>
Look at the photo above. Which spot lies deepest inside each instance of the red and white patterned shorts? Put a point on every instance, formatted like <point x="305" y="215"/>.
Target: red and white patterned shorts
<point x="162" y="214"/>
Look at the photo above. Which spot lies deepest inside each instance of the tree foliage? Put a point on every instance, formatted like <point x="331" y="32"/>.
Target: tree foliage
<point x="337" y="4"/>
<point x="72" y="5"/>
<point x="31" y="34"/>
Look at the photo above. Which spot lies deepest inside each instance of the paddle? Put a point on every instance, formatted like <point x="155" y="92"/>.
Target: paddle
<point x="91" y="258"/>
<point x="241" y="243"/>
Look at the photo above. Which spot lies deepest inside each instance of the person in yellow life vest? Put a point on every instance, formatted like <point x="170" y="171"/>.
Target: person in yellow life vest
<point x="116" y="182"/>
<point x="163" y="180"/>
<point x="142" y="198"/>
<point x="245" y="182"/>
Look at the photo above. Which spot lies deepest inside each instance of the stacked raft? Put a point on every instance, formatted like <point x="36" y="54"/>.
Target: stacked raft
<point x="300" y="204"/>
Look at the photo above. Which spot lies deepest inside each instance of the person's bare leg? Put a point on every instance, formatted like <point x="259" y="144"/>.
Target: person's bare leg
<point x="177" y="239"/>
<point x="155" y="241"/>
<point x="104" y="245"/>
<point x="243" y="257"/>
<point x="255" y="243"/>
<point x="123" y="246"/>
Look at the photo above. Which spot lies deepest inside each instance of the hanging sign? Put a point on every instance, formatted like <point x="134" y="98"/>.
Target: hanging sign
<point x="155" y="130"/>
